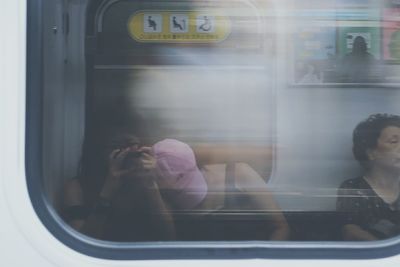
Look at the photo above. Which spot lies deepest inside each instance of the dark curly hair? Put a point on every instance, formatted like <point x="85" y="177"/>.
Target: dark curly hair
<point x="367" y="132"/>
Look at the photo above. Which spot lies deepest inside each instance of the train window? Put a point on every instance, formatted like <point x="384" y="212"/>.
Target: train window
<point x="164" y="123"/>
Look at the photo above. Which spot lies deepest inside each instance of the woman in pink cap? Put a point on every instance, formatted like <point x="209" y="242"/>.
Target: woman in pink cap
<point x="158" y="181"/>
<point x="209" y="190"/>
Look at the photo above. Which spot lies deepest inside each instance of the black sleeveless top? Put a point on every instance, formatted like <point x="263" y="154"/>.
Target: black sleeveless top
<point x="363" y="207"/>
<point x="229" y="222"/>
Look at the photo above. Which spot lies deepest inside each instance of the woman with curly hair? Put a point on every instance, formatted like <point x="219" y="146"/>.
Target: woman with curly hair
<point x="371" y="202"/>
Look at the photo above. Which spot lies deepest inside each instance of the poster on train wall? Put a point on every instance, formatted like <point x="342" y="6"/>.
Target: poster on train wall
<point x="391" y="33"/>
<point x="314" y="49"/>
<point x="347" y="35"/>
<point x="314" y="43"/>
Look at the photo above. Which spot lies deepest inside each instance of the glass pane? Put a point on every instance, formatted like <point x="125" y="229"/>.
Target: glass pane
<point x="222" y="120"/>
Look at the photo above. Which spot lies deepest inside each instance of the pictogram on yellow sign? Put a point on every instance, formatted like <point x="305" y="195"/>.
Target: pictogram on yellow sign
<point x="178" y="27"/>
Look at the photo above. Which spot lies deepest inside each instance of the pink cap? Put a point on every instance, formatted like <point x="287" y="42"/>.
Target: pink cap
<point x="179" y="176"/>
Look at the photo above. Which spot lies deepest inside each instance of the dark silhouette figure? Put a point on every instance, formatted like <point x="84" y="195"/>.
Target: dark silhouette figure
<point x="152" y="23"/>
<point x="359" y="65"/>
<point x="176" y="24"/>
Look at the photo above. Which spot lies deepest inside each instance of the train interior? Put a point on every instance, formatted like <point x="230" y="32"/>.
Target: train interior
<point x="256" y="81"/>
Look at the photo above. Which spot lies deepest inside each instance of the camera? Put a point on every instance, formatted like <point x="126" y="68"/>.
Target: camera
<point x="131" y="159"/>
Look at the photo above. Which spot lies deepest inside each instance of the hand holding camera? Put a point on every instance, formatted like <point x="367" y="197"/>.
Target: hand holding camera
<point x="118" y="166"/>
<point x="148" y="161"/>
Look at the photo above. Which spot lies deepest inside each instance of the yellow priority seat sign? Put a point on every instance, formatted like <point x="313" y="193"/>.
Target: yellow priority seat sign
<point x="178" y="27"/>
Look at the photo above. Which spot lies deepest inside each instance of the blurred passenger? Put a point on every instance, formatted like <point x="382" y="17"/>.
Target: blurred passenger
<point x="359" y="65"/>
<point x="129" y="195"/>
<point x="115" y="197"/>
<point x="371" y="202"/>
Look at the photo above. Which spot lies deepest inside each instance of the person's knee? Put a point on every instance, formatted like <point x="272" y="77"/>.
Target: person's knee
<point x="243" y="169"/>
<point x="247" y="179"/>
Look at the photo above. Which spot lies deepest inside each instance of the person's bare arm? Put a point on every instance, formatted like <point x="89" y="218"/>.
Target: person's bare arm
<point x="93" y="224"/>
<point x="249" y="181"/>
<point x="161" y="213"/>
<point x="258" y="157"/>
<point x="353" y="232"/>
